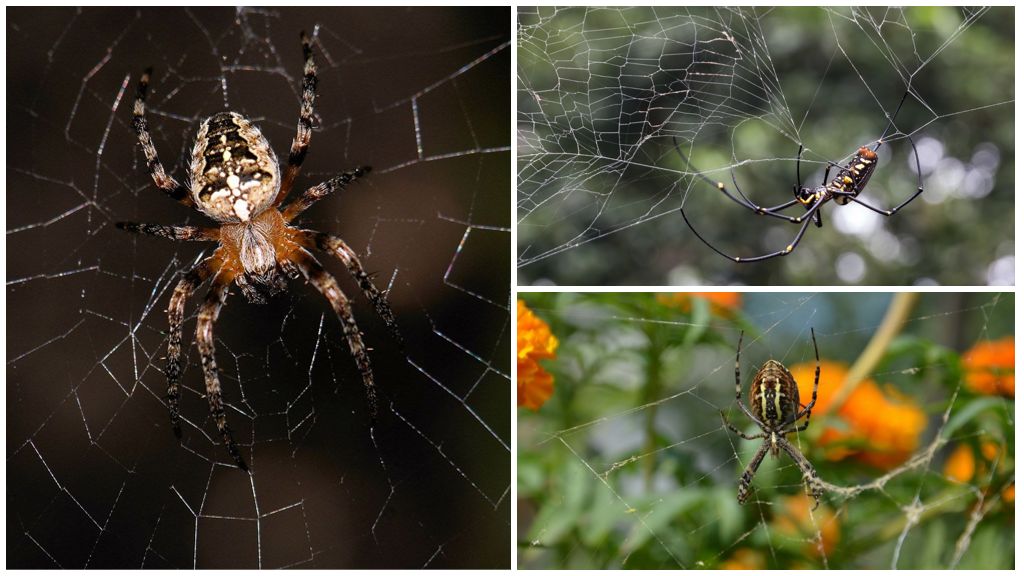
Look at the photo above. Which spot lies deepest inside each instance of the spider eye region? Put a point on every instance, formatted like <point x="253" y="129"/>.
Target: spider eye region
<point x="234" y="171"/>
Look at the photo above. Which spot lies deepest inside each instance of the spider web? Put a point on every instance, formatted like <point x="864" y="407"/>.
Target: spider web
<point x="95" y="477"/>
<point x="605" y="95"/>
<point x="652" y="484"/>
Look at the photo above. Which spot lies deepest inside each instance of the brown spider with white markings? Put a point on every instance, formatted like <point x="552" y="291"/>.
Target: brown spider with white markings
<point x="234" y="178"/>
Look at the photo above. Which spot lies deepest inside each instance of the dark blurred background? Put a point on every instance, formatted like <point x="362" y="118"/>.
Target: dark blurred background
<point x="604" y="93"/>
<point x="95" y="477"/>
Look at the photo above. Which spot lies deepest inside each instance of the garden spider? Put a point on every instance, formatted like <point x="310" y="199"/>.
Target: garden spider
<point x="844" y="188"/>
<point x="775" y="399"/>
<point x="235" y="179"/>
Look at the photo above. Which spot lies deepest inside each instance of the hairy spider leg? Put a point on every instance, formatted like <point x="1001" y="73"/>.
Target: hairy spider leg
<point x="163" y="181"/>
<point x="739" y="384"/>
<point x="737" y="431"/>
<point x="191" y="233"/>
<point x="208" y="313"/>
<point x="336" y="246"/>
<point x="175" y="316"/>
<point x="748" y="474"/>
<point x="322" y="190"/>
<point x="304" y="131"/>
<point x="328" y="287"/>
<point x="810" y="476"/>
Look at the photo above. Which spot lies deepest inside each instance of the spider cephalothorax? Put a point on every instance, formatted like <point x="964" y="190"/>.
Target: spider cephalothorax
<point x="235" y="179"/>
<point x="845" y="187"/>
<point x="776" y="409"/>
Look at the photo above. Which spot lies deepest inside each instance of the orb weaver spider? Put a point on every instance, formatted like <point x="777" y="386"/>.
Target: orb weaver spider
<point x="775" y="399"/>
<point x="844" y="188"/>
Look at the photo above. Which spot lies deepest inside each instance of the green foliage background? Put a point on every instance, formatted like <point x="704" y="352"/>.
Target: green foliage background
<point x="602" y="95"/>
<point x="628" y="464"/>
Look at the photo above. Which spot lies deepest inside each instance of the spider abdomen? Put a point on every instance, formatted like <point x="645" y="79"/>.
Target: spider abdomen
<point x="774" y="395"/>
<point x="234" y="170"/>
<point x="855" y="175"/>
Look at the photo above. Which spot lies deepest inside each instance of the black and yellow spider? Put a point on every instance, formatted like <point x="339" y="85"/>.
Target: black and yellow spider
<point x="775" y="400"/>
<point x="844" y="188"/>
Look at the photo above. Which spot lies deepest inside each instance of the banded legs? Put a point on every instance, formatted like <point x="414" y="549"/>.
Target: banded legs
<point x="743" y="492"/>
<point x="172" y="232"/>
<point x="814" y="393"/>
<point x="162" y="180"/>
<point x="775" y="438"/>
<point x="304" y="131"/>
<point x="204" y="340"/>
<point x="338" y="247"/>
<point x="175" y="315"/>
<point x="328" y="286"/>
<point x="320" y="191"/>
<point x="810" y="476"/>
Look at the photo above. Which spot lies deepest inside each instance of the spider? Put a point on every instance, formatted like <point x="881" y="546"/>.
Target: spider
<point x="235" y="179"/>
<point x="844" y="188"/>
<point x="775" y="399"/>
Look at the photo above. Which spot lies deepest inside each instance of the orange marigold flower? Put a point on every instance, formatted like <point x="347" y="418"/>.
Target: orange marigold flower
<point x="722" y="303"/>
<point x="989" y="367"/>
<point x="991" y="450"/>
<point x="534" y="342"/>
<point x="1008" y="494"/>
<point x="960" y="464"/>
<point x="795" y="520"/>
<point x="882" y="428"/>
<point x="744" y="559"/>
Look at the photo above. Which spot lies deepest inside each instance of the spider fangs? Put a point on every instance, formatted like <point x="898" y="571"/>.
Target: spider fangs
<point x="235" y="179"/>
<point x="775" y="400"/>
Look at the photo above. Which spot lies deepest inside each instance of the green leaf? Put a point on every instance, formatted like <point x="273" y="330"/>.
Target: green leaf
<point x="968" y="413"/>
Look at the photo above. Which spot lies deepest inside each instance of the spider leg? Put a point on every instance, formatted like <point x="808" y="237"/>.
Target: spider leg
<point x="328" y="286"/>
<point x="748" y="475"/>
<point x="336" y="246"/>
<point x="799" y="153"/>
<point x="892" y="123"/>
<point x="742" y="201"/>
<point x="304" y="131"/>
<point x="175" y="315"/>
<point x="163" y="181"/>
<point x="783" y="252"/>
<point x="172" y="232"/>
<point x="810" y="476"/>
<point x="204" y="340"/>
<point x="318" y="192"/>
<point x="739" y="389"/>
<point x="814" y="393"/>
<point x="737" y="430"/>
